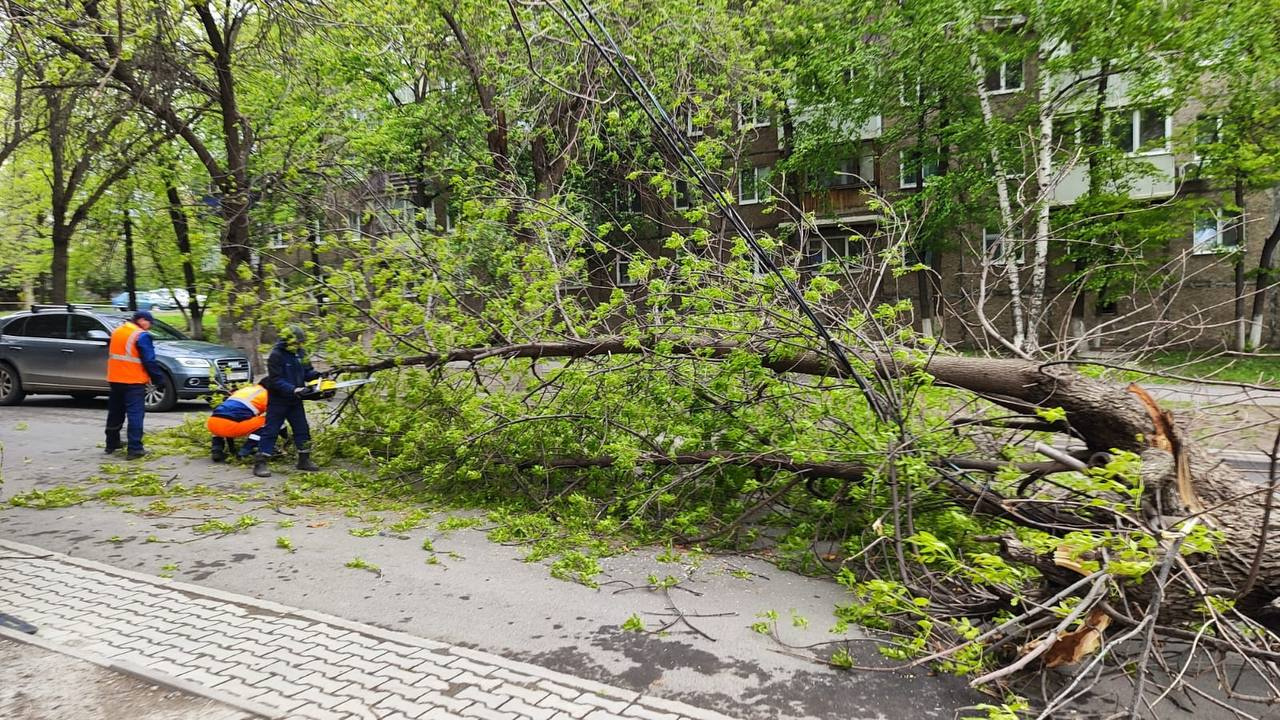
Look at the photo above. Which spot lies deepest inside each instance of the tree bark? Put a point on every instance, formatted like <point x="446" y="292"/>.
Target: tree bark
<point x="1265" y="282"/>
<point x="182" y="235"/>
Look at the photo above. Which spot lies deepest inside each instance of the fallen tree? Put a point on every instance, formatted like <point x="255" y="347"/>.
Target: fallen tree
<point x="1218" y="592"/>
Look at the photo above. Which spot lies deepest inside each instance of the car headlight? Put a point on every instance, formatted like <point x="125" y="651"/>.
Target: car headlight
<point x="193" y="362"/>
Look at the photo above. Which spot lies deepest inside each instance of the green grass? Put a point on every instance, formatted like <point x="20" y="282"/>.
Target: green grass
<point x="176" y="319"/>
<point x="1190" y="363"/>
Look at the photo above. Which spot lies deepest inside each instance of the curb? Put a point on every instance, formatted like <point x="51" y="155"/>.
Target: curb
<point x="145" y="674"/>
<point x="630" y="697"/>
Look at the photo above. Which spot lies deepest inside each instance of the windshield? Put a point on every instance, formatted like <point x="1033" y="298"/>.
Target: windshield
<point x="159" y="330"/>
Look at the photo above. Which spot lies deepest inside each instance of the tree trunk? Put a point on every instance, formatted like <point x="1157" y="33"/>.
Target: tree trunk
<point x="130" y="270"/>
<point x="1267" y="277"/>
<point x="182" y="234"/>
<point x="240" y="277"/>
<point x="61" y="238"/>
<point x="1241" y="343"/>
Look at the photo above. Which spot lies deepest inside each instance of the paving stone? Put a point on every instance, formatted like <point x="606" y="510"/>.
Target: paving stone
<point x="434" y="669"/>
<point x="468" y="678"/>
<point x="404" y="706"/>
<point x="301" y="663"/>
<point x="644" y="713"/>
<point x="450" y="703"/>
<point x="282" y="669"/>
<point x="365" y="666"/>
<point x="324" y="668"/>
<point x="484" y="713"/>
<point x="357" y="709"/>
<point x="204" y="677"/>
<point x="522" y="709"/>
<point x="439" y="714"/>
<point x="610" y="704"/>
<point x="404" y="690"/>
<point x="396" y="673"/>
<point x="362" y="678"/>
<point x="473" y="667"/>
<point x="324" y="682"/>
<point x="513" y="677"/>
<point x="484" y="698"/>
<point x="526" y="694"/>
<point x="282" y="686"/>
<point x="572" y="709"/>
<point x="247" y="674"/>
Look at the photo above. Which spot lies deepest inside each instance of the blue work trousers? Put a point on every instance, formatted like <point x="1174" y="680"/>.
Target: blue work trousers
<point x="126" y="400"/>
<point x="278" y="411"/>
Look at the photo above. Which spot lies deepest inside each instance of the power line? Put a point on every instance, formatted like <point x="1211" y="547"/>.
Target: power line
<point x="681" y="148"/>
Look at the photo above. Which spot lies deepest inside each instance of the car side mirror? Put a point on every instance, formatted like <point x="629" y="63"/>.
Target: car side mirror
<point x="98" y="335"/>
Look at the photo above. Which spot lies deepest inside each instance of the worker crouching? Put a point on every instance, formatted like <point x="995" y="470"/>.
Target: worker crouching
<point x="241" y="415"/>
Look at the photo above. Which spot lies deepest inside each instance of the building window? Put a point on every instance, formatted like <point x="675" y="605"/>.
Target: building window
<point x="622" y="270"/>
<point x="355" y="224"/>
<point x="753" y="185"/>
<point x="1140" y="130"/>
<point x="993" y="248"/>
<point x="1208" y="132"/>
<point x="857" y="171"/>
<point x="819" y="250"/>
<point x="682" y="195"/>
<point x="1066" y="135"/>
<point x="277" y="241"/>
<point x="626" y="199"/>
<point x="448" y="219"/>
<point x="913" y="162"/>
<point x="1004" y="76"/>
<point x="753" y="114"/>
<point x="685" y="118"/>
<point x="1214" y="232"/>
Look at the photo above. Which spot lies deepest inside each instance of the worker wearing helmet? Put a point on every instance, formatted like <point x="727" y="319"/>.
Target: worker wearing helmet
<point x="287" y="375"/>
<point x="241" y="415"/>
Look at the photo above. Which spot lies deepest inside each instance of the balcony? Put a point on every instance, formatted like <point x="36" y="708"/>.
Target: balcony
<point x="838" y="202"/>
<point x="1160" y="180"/>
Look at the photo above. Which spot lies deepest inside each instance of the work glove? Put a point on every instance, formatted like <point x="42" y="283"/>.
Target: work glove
<point x="300" y="391"/>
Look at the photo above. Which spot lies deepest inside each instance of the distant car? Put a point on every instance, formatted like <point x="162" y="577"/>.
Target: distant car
<point x="64" y="351"/>
<point x="159" y="299"/>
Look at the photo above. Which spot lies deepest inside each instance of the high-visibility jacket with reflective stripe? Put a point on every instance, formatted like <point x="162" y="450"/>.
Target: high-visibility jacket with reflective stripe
<point x="253" y="397"/>
<point x="124" y="364"/>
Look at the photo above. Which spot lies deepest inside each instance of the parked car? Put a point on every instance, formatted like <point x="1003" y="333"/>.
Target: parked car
<point x="63" y="350"/>
<point x="158" y="299"/>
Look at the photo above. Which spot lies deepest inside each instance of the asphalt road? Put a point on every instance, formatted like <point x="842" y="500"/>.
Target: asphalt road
<point x="479" y="595"/>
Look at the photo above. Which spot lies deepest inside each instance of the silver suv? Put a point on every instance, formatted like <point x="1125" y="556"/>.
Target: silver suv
<point x="63" y="350"/>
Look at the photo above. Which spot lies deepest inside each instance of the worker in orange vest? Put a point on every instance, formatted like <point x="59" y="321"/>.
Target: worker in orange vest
<point x="131" y="364"/>
<point x="241" y="414"/>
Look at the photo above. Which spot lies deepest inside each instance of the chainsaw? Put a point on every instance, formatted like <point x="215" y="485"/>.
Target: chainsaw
<point x="324" y="388"/>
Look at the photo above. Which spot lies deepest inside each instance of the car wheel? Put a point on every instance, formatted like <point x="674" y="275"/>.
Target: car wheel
<point x="161" y="397"/>
<point x="11" y="392"/>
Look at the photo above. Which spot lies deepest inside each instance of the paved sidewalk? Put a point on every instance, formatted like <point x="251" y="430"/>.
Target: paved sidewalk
<point x="285" y="662"/>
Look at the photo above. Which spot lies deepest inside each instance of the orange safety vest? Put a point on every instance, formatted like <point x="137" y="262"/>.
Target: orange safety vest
<point x="124" y="364"/>
<point x="253" y="397"/>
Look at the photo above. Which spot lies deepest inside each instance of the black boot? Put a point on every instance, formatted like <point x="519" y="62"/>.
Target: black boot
<point x="218" y="456"/>
<point x="304" y="462"/>
<point x="260" y="468"/>
<point x="113" y="441"/>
